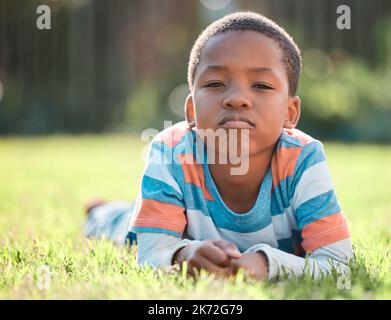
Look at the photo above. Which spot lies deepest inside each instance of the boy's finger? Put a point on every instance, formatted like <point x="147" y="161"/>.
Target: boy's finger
<point x="206" y="264"/>
<point x="215" y="255"/>
<point x="229" y="248"/>
<point x="234" y="267"/>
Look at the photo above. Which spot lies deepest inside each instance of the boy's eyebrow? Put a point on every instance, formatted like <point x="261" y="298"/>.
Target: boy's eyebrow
<point x="260" y="70"/>
<point x="215" y="67"/>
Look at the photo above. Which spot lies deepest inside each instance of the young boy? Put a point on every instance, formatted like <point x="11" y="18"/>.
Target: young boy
<point x="243" y="76"/>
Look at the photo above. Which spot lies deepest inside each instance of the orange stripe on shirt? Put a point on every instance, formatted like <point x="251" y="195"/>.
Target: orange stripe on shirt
<point x="156" y="214"/>
<point x="173" y="135"/>
<point x="324" y="231"/>
<point x="283" y="163"/>
<point x="193" y="173"/>
<point x="299" y="135"/>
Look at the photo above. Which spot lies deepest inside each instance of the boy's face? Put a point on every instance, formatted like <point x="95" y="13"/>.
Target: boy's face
<point x="241" y="76"/>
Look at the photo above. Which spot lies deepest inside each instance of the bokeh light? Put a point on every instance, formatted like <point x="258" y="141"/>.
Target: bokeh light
<point x="177" y="98"/>
<point x="215" y="4"/>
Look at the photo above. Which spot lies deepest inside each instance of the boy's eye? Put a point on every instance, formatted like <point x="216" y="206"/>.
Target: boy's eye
<point x="262" y="86"/>
<point x="214" y="84"/>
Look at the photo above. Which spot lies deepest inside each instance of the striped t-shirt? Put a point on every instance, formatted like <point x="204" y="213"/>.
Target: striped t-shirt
<point x="296" y="209"/>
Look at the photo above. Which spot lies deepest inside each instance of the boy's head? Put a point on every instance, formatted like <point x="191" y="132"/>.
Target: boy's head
<point x="243" y="73"/>
<point x="250" y="21"/>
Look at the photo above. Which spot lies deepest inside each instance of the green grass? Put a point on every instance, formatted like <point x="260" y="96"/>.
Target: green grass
<point x="46" y="181"/>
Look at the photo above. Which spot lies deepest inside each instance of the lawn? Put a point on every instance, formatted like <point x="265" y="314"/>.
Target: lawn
<point x="46" y="181"/>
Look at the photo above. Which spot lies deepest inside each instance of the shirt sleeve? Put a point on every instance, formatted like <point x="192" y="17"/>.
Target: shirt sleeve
<point x="319" y="218"/>
<point x="160" y="206"/>
<point x="158" y="250"/>
<point x="318" y="214"/>
<point x="322" y="262"/>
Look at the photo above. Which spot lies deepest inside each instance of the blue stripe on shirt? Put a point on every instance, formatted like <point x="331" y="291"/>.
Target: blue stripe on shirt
<point x="155" y="230"/>
<point x="316" y="208"/>
<point x="158" y="190"/>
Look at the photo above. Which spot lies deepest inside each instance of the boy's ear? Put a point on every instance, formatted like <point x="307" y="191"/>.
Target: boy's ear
<point x="190" y="111"/>
<point x="292" y="115"/>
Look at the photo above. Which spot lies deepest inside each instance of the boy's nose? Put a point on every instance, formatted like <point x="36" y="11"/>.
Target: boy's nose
<point x="237" y="100"/>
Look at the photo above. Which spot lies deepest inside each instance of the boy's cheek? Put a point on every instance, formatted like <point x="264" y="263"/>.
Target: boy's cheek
<point x="206" y="118"/>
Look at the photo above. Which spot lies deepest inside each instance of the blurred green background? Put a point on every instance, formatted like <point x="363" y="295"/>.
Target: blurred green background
<point x="120" y="66"/>
<point x="108" y="70"/>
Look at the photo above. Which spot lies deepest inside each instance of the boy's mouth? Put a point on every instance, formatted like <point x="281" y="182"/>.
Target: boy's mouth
<point x="236" y="121"/>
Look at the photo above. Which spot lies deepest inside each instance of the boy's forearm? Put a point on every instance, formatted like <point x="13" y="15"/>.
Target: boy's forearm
<point x="321" y="261"/>
<point x="158" y="250"/>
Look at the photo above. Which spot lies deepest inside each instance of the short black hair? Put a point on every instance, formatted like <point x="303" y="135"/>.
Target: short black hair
<point x="250" y="21"/>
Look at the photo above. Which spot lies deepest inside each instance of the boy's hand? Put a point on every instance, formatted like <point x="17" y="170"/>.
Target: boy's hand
<point x="215" y="256"/>
<point x="255" y="264"/>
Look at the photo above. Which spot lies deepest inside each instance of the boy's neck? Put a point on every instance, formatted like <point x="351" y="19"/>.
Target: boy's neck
<point x="240" y="192"/>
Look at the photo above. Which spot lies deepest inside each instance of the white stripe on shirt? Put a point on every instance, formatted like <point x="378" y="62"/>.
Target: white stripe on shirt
<point x="162" y="173"/>
<point x="202" y="227"/>
<point x="313" y="182"/>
